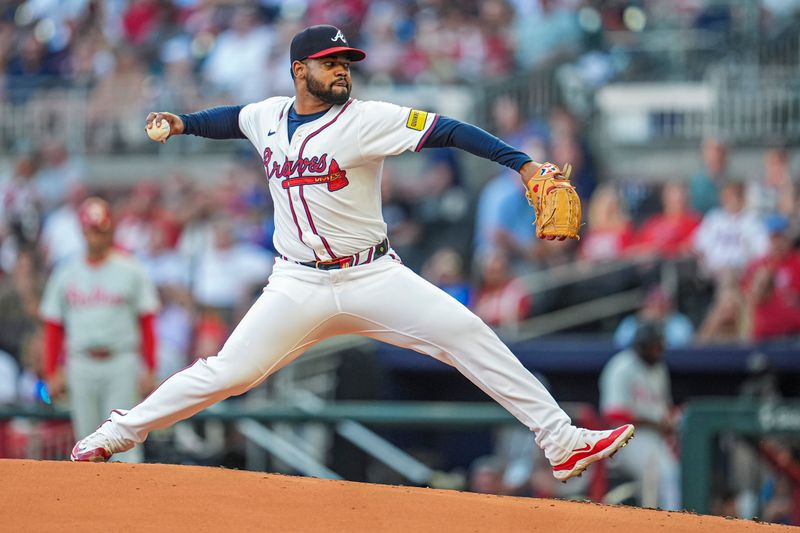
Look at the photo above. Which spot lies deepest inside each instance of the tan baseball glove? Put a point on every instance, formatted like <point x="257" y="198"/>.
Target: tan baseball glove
<point x="557" y="206"/>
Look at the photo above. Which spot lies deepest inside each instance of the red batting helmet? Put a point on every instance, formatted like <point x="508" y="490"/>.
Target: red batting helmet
<point x="95" y="213"/>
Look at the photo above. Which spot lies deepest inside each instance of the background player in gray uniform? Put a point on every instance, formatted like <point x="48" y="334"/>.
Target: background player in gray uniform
<point x="103" y="305"/>
<point x="635" y="388"/>
<point x="323" y="155"/>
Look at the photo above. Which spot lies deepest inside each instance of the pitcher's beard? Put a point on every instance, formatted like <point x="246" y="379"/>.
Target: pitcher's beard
<point x="327" y="94"/>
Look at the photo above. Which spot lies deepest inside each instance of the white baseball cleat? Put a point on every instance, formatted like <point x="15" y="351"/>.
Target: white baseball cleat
<point x="593" y="446"/>
<point x="99" y="447"/>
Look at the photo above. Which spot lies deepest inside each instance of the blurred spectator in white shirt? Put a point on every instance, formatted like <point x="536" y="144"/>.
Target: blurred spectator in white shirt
<point x="729" y="237"/>
<point x="9" y="372"/>
<point x="56" y="174"/>
<point x="229" y="270"/>
<point x="556" y="33"/>
<point x="238" y="55"/>
<point x="62" y="236"/>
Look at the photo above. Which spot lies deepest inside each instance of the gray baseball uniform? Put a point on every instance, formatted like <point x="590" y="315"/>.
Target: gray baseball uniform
<point x="99" y="307"/>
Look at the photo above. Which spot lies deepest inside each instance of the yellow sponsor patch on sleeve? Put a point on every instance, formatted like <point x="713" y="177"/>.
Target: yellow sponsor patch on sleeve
<point x="416" y="120"/>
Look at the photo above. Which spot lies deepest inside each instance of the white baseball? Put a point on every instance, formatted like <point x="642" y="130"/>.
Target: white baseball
<point x="158" y="133"/>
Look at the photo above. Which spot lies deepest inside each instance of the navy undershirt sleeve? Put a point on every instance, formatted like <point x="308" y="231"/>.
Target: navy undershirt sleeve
<point x="215" y="123"/>
<point x="449" y="132"/>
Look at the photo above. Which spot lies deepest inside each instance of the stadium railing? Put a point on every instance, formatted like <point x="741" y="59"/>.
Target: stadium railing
<point x="705" y="419"/>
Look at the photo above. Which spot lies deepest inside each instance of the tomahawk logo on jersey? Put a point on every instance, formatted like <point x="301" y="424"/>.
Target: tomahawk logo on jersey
<point x="325" y="182"/>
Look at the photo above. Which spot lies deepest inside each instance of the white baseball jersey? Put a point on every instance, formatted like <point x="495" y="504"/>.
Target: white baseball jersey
<point x="325" y="183"/>
<point x="629" y="384"/>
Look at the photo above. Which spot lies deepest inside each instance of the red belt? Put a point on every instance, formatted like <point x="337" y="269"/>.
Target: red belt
<point x="99" y="353"/>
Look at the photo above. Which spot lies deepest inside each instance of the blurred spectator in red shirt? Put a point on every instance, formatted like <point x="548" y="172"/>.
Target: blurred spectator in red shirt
<point x="609" y="231"/>
<point x="139" y="19"/>
<point x="669" y="234"/>
<point x="500" y="300"/>
<point x="142" y="217"/>
<point x="772" y="285"/>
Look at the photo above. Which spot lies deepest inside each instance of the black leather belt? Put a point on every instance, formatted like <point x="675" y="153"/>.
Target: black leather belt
<point x="361" y="258"/>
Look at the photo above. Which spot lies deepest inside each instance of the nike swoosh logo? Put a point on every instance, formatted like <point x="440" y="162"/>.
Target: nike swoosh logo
<point x="271" y="133"/>
<point x="584" y="449"/>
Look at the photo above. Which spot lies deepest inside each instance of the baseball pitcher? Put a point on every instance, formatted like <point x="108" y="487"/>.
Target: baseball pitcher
<point x="323" y="153"/>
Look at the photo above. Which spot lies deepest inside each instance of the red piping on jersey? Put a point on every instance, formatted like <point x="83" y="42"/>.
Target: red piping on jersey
<point x="313" y="228"/>
<point x="297" y="224"/>
<point x="427" y="134"/>
<point x="289" y="194"/>
<point x="302" y="197"/>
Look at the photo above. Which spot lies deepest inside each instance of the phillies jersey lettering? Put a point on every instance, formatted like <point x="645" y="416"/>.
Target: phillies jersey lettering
<point x="113" y="294"/>
<point x="325" y="182"/>
<point x="97" y="296"/>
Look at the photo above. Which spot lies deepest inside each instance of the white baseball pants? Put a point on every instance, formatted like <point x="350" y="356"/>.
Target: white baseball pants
<point x="383" y="300"/>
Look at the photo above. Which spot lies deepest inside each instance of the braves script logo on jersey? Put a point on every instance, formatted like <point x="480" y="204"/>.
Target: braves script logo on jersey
<point x="324" y="173"/>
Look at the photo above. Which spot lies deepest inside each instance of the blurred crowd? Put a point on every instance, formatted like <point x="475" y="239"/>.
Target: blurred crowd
<point x="207" y="243"/>
<point x="731" y="239"/>
<point x="199" y="50"/>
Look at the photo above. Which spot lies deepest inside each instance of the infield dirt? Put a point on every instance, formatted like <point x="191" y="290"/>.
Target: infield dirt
<point x="64" y="496"/>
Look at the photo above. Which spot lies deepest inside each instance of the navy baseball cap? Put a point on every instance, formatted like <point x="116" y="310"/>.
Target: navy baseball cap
<point x="320" y="41"/>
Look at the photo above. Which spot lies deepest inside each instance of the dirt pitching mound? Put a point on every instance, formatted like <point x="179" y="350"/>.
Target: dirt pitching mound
<point x="63" y="496"/>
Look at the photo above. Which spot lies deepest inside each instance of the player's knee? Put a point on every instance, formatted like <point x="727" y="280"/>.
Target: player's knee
<point x="465" y="327"/>
<point x="233" y="379"/>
